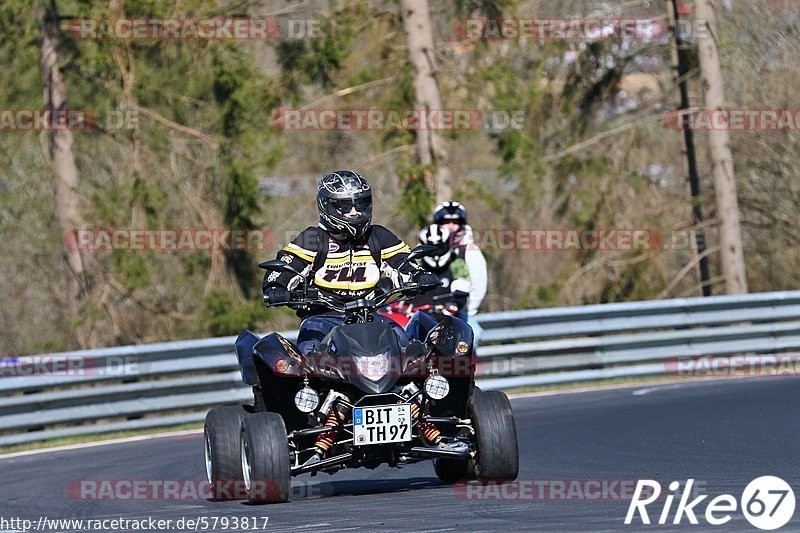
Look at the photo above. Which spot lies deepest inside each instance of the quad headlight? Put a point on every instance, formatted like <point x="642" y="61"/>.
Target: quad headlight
<point x="372" y="367"/>
<point x="437" y="387"/>
<point x="306" y="399"/>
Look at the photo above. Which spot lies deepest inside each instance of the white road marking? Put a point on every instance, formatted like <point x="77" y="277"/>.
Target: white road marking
<point x="694" y="382"/>
<point x="648" y="390"/>
<point x="622" y="386"/>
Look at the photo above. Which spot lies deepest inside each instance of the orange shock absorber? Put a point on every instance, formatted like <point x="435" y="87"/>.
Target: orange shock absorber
<point x="430" y="433"/>
<point x="426" y="429"/>
<point x="325" y="440"/>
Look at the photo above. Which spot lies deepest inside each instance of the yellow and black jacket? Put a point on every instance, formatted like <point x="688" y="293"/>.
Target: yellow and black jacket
<point x="349" y="269"/>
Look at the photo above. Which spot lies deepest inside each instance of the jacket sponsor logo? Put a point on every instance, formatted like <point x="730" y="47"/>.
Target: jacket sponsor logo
<point x="347" y="275"/>
<point x="357" y="274"/>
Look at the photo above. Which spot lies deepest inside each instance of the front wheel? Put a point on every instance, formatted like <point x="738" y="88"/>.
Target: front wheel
<point x="497" y="454"/>
<point x="452" y="470"/>
<point x="264" y="455"/>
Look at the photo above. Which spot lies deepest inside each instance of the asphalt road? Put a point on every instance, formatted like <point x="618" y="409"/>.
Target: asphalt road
<point x="722" y="434"/>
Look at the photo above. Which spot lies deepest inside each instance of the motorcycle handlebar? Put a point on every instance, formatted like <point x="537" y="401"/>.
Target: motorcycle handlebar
<point x="353" y="306"/>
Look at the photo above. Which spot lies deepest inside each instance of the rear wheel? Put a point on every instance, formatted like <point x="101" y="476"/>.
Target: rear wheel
<point x="223" y="466"/>
<point x="495" y="436"/>
<point x="264" y="455"/>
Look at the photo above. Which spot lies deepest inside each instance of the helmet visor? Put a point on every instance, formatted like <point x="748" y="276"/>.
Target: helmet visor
<point x="348" y="207"/>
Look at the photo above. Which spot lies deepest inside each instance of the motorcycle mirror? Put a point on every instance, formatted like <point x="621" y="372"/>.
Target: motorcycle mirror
<point x="277" y="264"/>
<point x="421" y="250"/>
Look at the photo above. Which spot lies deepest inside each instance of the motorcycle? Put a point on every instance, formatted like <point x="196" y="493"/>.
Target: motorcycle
<point x="371" y="396"/>
<point x="439" y="305"/>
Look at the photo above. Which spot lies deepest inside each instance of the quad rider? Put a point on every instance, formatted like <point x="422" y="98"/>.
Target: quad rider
<point x="452" y="296"/>
<point x="343" y="257"/>
<point x="453" y="217"/>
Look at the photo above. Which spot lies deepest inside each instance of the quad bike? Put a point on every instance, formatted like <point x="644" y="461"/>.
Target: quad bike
<point x="371" y="396"/>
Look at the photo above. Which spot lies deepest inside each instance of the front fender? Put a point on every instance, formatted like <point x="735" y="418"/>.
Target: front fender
<point x="273" y="348"/>
<point x="269" y="350"/>
<point x="245" y="343"/>
<point x="449" y="337"/>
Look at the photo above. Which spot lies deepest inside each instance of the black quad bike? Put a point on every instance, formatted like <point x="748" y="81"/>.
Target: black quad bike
<point x="372" y="396"/>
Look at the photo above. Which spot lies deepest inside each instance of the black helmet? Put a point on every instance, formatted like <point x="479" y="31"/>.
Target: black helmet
<point x="438" y="236"/>
<point x="344" y="200"/>
<point x="450" y="212"/>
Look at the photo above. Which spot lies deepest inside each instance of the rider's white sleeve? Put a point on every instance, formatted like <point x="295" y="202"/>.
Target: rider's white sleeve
<point x="477" y="275"/>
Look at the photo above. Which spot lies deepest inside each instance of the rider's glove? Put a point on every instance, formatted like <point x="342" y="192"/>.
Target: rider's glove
<point x="425" y="278"/>
<point x="460" y="298"/>
<point x="276" y="295"/>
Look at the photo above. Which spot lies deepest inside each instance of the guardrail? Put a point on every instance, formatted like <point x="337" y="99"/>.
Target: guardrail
<point x="177" y="382"/>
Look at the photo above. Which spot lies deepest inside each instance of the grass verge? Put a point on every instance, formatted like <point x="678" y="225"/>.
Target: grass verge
<point x="66" y="441"/>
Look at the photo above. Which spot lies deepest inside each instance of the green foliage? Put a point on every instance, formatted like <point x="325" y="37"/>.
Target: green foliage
<point x="244" y="98"/>
<point x="492" y="9"/>
<point x="149" y="196"/>
<point x="317" y="60"/>
<point x="631" y="282"/>
<point x="222" y="315"/>
<point x="132" y="268"/>
<point x="416" y="201"/>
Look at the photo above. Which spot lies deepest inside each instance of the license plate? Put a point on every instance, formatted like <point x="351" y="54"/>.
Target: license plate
<point x="381" y="424"/>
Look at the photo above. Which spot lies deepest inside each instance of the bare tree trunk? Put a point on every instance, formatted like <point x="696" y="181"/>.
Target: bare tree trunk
<point x="730" y="231"/>
<point x="60" y="152"/>
<point x="125" y="61"/>
<point x="430" y="147"/>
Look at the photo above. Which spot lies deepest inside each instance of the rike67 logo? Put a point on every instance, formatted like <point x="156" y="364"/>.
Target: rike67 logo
<point x="767" y="503"/>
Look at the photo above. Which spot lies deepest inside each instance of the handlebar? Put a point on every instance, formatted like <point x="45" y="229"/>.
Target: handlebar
<point x="450" y="296"/>
<point x="354" y="306"/>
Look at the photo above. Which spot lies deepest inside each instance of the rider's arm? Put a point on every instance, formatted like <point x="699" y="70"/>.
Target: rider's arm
<point x="299" y="254"/>
<point x="477" y="276"/>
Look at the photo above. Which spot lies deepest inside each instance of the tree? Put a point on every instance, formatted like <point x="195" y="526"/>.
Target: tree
<point x="59" y="151"/>
<point x="431" y="151"/>
<point x="730" y="232"/>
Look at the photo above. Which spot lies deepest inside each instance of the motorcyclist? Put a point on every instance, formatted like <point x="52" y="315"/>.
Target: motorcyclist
<point x="451" y="269"/>
<point x="453" y="216"/>
<point x="344" y="256"/>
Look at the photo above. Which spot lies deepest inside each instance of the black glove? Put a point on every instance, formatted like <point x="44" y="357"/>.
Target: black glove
<point x="460" y="298"/>
<point x="276" y="295"/>
<point x="425" y="278"/>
